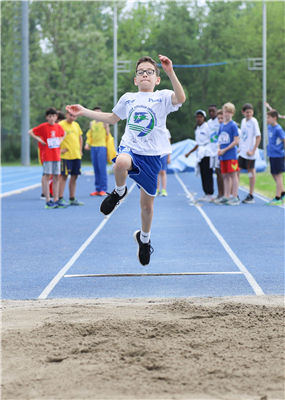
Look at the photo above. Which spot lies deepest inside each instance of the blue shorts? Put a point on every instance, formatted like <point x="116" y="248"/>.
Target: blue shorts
<point x="145" y="170"/>
<point x="163" y="161"/>
<point x="71" y="167"/>
<point x="276" y="165"/>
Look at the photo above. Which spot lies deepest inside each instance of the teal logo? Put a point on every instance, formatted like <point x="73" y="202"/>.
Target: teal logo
<point x="214" y="137"/>
<point x="141" y="120"/>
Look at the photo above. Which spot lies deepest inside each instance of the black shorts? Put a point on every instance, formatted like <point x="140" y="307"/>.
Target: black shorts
<point x="244" y="163"/>
<point x="276" y="165"/>
<point x="71" y="167"/>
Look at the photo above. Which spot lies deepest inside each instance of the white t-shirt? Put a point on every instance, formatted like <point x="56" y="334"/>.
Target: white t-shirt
<point x="146" y="113"/>
<point x="203" y="139"/>
<point x="249" y="131"/>
<point x="168" y="134"/>
<point x="214" y="126"/>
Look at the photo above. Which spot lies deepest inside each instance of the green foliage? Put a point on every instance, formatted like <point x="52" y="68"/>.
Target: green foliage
<point x="71" y="55"/>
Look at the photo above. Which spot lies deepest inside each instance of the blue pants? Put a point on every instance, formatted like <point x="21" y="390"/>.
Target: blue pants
<point x="99" y="161"/>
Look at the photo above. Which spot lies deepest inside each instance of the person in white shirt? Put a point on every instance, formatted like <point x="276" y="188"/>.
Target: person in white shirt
<point x="214" y="126"/>
<point x="204" y="152"/>
<point x="144" y="142"/>
<point x="250" y="138"/>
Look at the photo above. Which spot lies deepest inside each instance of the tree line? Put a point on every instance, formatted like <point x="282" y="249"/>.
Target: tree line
<point x="71" y="57"/>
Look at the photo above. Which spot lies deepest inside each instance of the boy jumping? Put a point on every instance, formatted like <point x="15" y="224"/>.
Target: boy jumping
<point x="144" y="142"/>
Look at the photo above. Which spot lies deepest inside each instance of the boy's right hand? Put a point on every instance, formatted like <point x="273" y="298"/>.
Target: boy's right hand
<point x="75" y="109"/>
<point x="86" y="147"/>
<point x="63" y="151"/>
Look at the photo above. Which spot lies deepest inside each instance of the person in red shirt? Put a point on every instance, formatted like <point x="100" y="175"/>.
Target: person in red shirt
<point x="50" y="135"/>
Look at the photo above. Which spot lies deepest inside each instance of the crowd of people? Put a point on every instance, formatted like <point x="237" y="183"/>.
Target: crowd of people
<point x="146" y="143"/>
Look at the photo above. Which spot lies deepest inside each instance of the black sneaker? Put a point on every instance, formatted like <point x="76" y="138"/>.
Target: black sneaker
<point x="249" y="199"/>
<point x="144" y="251"/>
<point x="111" y="201"/>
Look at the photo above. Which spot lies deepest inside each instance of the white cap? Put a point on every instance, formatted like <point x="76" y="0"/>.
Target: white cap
<point x="200" y="112"/>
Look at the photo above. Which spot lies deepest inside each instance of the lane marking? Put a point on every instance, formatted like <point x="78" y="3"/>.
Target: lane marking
<point x="67" y="266"/>
<point x="18" y="191"/>
<point x="255" y="286"/>
<point x="259" y="196"/>
<point x="163" y="274"/>
<point x="36" y="176"/>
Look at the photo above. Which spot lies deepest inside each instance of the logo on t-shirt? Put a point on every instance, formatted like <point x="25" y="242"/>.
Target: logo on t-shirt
<point x="53" y="133"/>
<point x="244" y="134"/>
<point x="155" y="101"/>
<point x="224" y="138"/>
<point x="214" y="137"/>
<point x="142" y="120"/>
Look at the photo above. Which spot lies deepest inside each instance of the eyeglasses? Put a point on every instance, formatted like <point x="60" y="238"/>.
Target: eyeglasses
<point x="149" y="71"/>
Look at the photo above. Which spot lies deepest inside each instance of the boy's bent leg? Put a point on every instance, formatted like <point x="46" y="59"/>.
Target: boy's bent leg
<point x="122" y="165"/>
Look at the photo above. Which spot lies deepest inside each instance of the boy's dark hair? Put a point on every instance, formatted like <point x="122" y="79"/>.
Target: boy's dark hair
<point x="273" y="113"/>
<point x="151" y="61"/>
<point x="213" y="105"/>
<point x="97" y="108"/>
<point x="51" y="111"/>
<point x="247" y="106"/>
<point x="60" y="115"/>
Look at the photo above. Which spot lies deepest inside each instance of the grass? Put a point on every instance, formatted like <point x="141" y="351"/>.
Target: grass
<point x="264" y="185"/>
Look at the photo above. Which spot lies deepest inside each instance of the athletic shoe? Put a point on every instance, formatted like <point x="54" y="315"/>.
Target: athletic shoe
<point x="144" y="250"/>
<point x="249" y="199"/>
<point x="222" y="201"/>
<point x="283" y="198"/>
<point x="102" y="193"/>
<point x="61" y="204"/>
<point x="218" y="199"/>
<point x="234" y="201"/>
<point x="42" y="197"/>
<point x="75" y="202"/>
<point x="94" y="194"/>
<point x="274" y="202"/>
<point x="207" y="198"/>
<point x="157" y="192"/>
<point x="164" y="193"/>
<point x="111" y="202"/>
<point x="64" y="201"/>
<point x="51" y="204"/>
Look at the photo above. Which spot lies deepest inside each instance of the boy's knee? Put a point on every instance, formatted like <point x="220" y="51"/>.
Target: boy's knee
<point x="147" y="208"/>
<point x="123" y="163"/>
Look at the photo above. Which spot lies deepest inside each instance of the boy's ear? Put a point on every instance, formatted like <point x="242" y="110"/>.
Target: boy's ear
<point x="158" y="79"/>
<point x="135" y="81"/>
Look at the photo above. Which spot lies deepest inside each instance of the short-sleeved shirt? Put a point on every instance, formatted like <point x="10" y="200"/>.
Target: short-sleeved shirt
<point x="249" y="131"/>
<point x="214" y="126"/>
<point x="146" y="112"/>
<point x="71" y="141"/>
<point x="227" y="134"/>
<point x="50" y="134"/>
<point x="96" y="135"/>
<point x="203" y="139"/>
<point x="275" y="147"/>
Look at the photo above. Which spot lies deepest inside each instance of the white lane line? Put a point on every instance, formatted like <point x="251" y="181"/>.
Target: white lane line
<point x="255" y="286"/>
<point x="259" y="196"/>
<point x="18" y="191"/>
<point x="61" y="273"/>
<point x="154" y="274"/>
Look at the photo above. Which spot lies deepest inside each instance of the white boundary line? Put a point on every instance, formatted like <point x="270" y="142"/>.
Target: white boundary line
<point x="154" y="274"/>
<point x="259" y="196"/>
<point x="19" y="191"/>
<point x="256" y="288"/>
<point x="61" y="273"/>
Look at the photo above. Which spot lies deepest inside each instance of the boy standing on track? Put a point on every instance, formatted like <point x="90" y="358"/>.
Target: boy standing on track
<point x="143" y="143"/>
<point x="96" y="143"/>
<point x="228" y="141"/>
<point x="50" y="135"/>
<point x="162" y="173"/>
<point x="275" y="152"/>
<point x="71" y="153"/>
<point x="249" y="141"/>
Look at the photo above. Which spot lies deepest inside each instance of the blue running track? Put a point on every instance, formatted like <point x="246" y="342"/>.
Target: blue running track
<point x="39" y="246"/>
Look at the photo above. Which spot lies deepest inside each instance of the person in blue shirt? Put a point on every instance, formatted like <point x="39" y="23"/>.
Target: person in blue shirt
<point x="228" y="139"/>
<point x="275" y="152"/>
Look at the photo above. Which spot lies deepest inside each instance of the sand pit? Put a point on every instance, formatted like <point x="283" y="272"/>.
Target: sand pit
<point x="210" y="348"/>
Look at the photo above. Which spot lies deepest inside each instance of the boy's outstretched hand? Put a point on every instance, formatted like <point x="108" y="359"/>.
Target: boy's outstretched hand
<point x="166" y="63"/>
<point x="75" y="109"/>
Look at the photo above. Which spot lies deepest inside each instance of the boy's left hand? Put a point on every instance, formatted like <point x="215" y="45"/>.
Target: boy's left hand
<point x="221" y="152"/>
<point x="166" y="64"/>
<point x="250" y="153"/>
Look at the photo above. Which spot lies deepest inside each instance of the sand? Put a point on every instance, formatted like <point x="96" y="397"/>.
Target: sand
<point x="194" y="348"/>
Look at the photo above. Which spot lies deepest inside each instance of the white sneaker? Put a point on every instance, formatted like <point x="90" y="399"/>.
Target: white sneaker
<point x="207" y="198"/>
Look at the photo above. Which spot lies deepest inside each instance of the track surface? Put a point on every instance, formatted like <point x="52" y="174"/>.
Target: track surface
<point x="40" y="246"/>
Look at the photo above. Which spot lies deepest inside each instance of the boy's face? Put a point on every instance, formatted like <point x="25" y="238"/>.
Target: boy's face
<point x="248" y="114"/>
<point x="70" y="118"/>
<point x="199" y="119"/>
<point x="51" y="118"/>
<point x="212" y="112"/>
<point x="220" y="118"/>
<point x="227" y="115"/>
<point x="145" y="82"/>
<point x="271" y="120"/>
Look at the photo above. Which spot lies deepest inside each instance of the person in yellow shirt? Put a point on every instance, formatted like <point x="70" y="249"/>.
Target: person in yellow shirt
<point x="96" y="143"/>
<point x="71" y="153"/>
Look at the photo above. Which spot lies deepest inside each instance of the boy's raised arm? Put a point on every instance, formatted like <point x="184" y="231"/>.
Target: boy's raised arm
<point x="77" y="110"/>
<point x="179" y="96"/>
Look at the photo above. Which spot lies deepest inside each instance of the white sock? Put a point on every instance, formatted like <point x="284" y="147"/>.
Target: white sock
<point x="144" y="237"/>
<point x="120" y="190"/>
